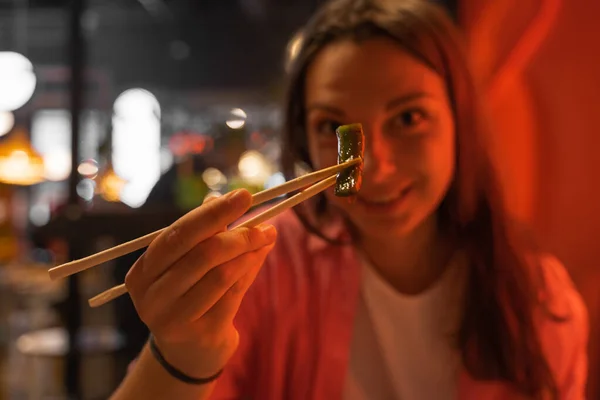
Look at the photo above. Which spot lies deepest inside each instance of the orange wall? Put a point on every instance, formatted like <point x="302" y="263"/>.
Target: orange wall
<point x="546" y="110"/>
<point x="566" y="79"/>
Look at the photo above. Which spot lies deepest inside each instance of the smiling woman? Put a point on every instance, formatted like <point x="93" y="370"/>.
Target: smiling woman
<point x="409" y="127"/>
<point x="423" y="288"/>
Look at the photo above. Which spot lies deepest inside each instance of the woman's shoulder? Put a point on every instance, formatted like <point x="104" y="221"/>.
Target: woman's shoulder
<point x="559" y="292"/>
<point x="564" y="326"/>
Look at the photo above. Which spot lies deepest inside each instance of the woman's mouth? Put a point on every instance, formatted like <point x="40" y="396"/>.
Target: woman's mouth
<point x="389" y="204"/>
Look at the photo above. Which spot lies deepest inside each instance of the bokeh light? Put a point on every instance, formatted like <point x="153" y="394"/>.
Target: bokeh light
<point x="17" y="80"/>
<point x="275" y="180"/>
<point x="136" y="103"/>
<point x="86" y="188"/>
<point x="214" y="178"/>
<point x="254" y="168"/>
<point x="293" y="48"/>
<point x="88" y="168"/>
<point x="237" y="118"/>
<point x="57" y="165"/>
<point x="136" y="144"/>
<point x="7" y="122"/>
<point x="39" y="214"/>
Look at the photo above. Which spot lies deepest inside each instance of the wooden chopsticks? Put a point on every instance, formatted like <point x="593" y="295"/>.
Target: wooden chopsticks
<point x="325" y="178"/>
<point x="119" y="290"/>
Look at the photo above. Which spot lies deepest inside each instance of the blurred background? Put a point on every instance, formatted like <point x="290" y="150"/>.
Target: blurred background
<point x="117" y="116"/>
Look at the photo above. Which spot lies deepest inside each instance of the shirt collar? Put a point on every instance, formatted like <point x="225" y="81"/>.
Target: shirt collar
<point x="334" y="228"/>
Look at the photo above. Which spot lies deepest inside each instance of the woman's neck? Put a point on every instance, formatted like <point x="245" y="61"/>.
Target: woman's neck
<point x="412" y="263"/>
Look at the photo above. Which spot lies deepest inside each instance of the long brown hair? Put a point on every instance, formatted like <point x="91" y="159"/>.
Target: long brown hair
<point x="497" y="337"/>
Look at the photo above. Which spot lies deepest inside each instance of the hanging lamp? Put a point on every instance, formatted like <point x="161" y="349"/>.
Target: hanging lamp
<point x="20" y="164"/>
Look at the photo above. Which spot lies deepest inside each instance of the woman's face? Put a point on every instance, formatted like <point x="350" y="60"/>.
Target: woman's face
<point x="409" y="131"/>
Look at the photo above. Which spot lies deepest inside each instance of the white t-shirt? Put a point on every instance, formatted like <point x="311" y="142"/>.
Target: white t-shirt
<point x="401" y="346"/>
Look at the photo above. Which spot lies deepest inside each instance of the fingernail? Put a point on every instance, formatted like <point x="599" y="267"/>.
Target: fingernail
<point x="269" y="231"/>
<point x="237" y="196"/>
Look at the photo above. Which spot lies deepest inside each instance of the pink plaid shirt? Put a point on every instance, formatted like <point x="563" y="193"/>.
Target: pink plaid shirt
<point x="296" y="325"/>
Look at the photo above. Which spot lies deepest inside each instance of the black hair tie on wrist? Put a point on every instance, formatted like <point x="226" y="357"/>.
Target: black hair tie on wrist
<point x="174" y="372"/>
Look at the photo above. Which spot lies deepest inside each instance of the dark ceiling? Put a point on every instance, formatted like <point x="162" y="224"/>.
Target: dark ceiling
<point x="214" y="43"/>
<point x="175" y="44"/>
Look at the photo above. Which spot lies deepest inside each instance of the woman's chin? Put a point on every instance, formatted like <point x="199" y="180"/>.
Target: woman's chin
<point x="395" y="227"/>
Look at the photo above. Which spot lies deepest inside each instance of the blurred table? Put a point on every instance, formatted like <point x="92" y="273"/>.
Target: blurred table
<point x="42" y="355"/>
<point x="86" y="233"/>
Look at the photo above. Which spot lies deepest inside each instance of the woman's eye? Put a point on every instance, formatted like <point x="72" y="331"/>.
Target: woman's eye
<point x="409" y="119"/>
<point x="327" y="128"/>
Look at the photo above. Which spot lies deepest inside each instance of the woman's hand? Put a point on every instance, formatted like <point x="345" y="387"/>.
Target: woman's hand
<point x="188" y="285"/>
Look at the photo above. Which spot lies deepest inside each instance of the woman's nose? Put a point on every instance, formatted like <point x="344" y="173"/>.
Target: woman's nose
<point x="379" y="159"/>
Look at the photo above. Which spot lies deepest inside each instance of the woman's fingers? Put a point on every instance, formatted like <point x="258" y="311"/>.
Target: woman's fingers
<point x="209" y="254"/>
<point x="228" y="280"/>
<point x="225" y="309"/>
<point x="184" y="316"/>
<point x="187" y="285"/>
<point x="183" y="235"/>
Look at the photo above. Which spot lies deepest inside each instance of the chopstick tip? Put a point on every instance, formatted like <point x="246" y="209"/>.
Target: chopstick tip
<point x="53" y="273"/>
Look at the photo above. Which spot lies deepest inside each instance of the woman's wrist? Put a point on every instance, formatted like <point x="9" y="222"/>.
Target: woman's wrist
<point x="178" y="373"/>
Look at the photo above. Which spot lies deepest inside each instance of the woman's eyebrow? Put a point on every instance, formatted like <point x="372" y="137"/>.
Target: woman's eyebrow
<point x="325" y="107"/>
<point x="390" y="105"/>
<point x="406" y="99"/>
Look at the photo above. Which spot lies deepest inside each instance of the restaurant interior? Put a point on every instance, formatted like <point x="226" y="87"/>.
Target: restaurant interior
<point x="119" y="116"/>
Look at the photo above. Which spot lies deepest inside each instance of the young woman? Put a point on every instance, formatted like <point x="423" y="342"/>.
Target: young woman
<point x="420" y="289"/>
